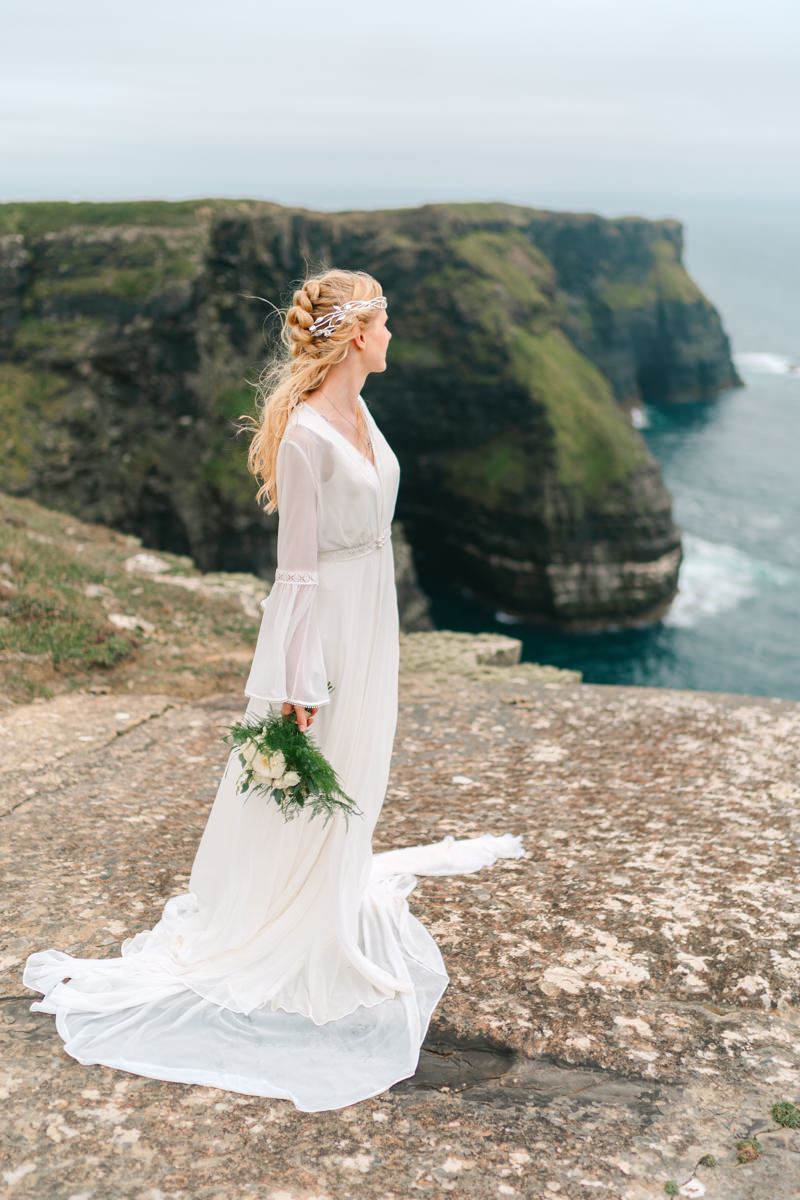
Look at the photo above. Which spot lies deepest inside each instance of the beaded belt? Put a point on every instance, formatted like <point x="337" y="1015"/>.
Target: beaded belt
<point x="356" y="551"/>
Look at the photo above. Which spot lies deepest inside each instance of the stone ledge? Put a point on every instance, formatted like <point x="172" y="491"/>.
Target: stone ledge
<point x="444" y="653"/>
<point x="624" y="1001"/>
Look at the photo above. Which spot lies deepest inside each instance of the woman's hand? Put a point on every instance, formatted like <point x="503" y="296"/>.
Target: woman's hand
<point x="304" y="716"/>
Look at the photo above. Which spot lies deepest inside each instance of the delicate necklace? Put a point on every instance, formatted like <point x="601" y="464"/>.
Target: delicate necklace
<point x="346" y="418"/>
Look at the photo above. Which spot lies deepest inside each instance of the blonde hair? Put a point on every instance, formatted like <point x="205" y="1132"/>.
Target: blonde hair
<point x="301" y="366"/>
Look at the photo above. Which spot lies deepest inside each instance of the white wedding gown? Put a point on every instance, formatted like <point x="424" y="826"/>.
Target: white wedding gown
<point x="292" y="967"/>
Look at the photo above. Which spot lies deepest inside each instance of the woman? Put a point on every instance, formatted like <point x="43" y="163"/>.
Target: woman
<point x="292" y="967"/>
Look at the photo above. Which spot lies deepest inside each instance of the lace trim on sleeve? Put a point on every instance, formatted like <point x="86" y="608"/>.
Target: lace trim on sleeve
<point x="284" y="576"/>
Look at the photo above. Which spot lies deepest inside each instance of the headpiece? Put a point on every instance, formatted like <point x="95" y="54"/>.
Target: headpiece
<point x="325" y="326"/>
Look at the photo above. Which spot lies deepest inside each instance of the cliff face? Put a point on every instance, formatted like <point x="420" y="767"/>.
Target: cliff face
<point x="127" y="333"/>
<point x="630" y="307"/>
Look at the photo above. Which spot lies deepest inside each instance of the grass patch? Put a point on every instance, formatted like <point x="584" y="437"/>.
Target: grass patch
<point x="511" y="262"/>
<point x="669" y="277"/>
<point x="226" y="471"/>
<point x="406" y="353"/>
<point x="787" y="1114"/>
<point x="225" y="467"/>
<point x="627" y="295"/>
<point x="52" y="216"/>
<point x="122" y="282"/>
<point x="29" y="402"/>
<point x="494" y="473"/>
<point x="748" y="1149"/>
<point x="55" y="339"/>
<point x="593" y="440"/>
<point x="42" y="620"/>
<point x="62" y="580"/>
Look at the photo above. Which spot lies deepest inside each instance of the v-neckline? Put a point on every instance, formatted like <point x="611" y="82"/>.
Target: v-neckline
<point x="361" y="457"/>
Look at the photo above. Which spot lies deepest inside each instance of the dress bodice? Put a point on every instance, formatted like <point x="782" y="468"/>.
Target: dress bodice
<point x="355" y="501"/>
<point x="333" y="506"/>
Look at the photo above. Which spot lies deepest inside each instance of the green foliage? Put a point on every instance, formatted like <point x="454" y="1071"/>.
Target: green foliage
<point x="52" y="339"/>
<point x="626" y="295"/>
<point x="468" y="211"/>
<point x="595" y="445"/>
<point x="708" y="1160"/>
<point x="225" y="466"/>
<point x="787" y="1114"/>
<point x="422" y="354"/>
<point x="35" y="219"/>
<point x="29" y="401"/>
<point x="504" y="289"/>
<point x="226" y="472"/>
<point x="318" y="791"/>
<point x="514" y="265"/>
<point x="671" y="1187"/>
<point x="235" y="401"/>
<point x="669" y="278"/>
<point x="748" y="1149"/>
<point x="494" y="473"/>
<point x="65" y="626"/>
<point x="123" y="282"/>
<point x="60" y="578"/>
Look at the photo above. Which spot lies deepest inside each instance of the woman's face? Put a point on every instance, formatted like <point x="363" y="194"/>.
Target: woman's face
<point x="376" y="338"/>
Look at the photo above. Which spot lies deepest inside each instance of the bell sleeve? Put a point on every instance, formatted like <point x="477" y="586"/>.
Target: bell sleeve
<point x="288" y="663"/>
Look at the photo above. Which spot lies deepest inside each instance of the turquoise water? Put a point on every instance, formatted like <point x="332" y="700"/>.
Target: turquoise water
<point x="732" y="464"/>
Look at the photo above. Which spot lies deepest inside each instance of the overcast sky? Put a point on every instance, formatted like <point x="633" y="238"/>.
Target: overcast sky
<point x="338" y="104"/>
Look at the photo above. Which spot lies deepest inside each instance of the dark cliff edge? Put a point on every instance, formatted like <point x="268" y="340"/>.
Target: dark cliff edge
<point x="127" y="332"/>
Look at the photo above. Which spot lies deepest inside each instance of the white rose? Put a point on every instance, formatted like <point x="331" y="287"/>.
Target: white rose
<point x="288" y="780"/>
<point x="260" y="767"/>
<point x="248" y="752"/>
<point x="277" y="764"/>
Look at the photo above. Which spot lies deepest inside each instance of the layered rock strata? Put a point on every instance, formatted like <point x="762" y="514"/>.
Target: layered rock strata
<point x="127" y="334"/>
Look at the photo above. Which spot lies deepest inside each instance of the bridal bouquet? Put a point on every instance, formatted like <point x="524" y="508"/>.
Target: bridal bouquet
<point x="282" y="764"/>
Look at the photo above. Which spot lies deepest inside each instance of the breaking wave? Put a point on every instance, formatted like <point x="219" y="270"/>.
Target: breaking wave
<point x="762" y="363"/>
<point x="716" y="577"/>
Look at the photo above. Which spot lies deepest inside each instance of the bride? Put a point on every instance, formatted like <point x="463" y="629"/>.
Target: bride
<point x="292" y="967"/>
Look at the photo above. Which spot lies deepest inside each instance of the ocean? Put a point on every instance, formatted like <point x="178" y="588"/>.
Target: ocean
<point x="732" y="465"/>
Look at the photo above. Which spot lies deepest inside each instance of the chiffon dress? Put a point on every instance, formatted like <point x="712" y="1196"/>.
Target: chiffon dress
<point x="292" y="967"/>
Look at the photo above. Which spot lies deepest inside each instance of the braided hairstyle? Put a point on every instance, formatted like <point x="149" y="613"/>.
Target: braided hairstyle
<point x="300" y="367"/>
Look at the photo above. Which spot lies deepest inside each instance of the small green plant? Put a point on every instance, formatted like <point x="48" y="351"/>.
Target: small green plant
<point x="748" y="1149"/>
<point x="787" y="1114"/>
<point x="671" y="1187"/>
<point x="708" y="1160"/>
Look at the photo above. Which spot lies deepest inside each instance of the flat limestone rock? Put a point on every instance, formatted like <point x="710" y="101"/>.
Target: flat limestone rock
<point x="624" y="1000"/>
<point x="445" y="653"/>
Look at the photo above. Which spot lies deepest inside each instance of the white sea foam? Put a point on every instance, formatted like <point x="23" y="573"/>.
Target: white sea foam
<point x="762" y="363"/>
<point x="505" y="618"/>
<point x="639" y="418"/>
<point x="715" y="578"/>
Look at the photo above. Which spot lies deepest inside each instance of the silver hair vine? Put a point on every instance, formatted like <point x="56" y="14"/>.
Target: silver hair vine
<point x="324" y="326"/>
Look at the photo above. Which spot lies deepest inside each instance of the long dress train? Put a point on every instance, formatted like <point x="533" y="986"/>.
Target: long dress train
<point x="292" y="967"/>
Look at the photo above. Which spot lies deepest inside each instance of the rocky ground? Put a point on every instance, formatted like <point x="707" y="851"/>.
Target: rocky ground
<point x="624" y="1006"/>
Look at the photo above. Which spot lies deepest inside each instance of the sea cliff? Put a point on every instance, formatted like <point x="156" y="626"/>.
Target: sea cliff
<point x="127" y="334"/>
